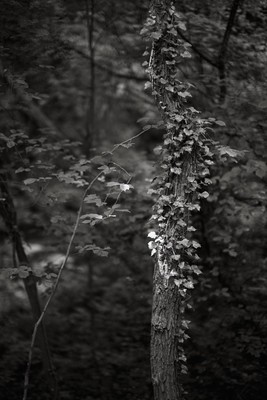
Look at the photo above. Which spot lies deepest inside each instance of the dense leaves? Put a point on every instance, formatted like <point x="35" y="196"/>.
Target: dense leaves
<point x="99" y="322"/>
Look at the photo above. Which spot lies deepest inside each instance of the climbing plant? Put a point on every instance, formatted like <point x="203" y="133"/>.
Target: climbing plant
<point x="186" y="156"/>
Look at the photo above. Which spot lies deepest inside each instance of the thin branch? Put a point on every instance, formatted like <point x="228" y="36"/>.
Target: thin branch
<point x="116" y="146"/>
<point x="61" y="269"/>
<point x="197" y="51"/>
<point x="31" y="109"/>
<point x="9" y="215"/>
<point x="223" y="49"/>
<point x="37" y="324"/>
<point x="109" y="70"/>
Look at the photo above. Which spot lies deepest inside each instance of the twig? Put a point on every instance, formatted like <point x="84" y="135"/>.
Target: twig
<point x="9" y="215"/>
<point x="39" y="321"/>
<point x="27" y="373"/>
<point x="126" y="141"/>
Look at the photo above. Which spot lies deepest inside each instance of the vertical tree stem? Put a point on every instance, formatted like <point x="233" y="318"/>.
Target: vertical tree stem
<point x="223" y="50"/>
<point x="90" y="117"/>
<point x="9" y="215"/>
<point x="185" y="156"/>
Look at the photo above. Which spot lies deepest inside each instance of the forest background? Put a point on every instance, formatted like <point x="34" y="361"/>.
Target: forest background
<point x="72" y="88"/>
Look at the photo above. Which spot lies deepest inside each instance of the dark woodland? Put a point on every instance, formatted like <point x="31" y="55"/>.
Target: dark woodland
<point x="133" y="222"/>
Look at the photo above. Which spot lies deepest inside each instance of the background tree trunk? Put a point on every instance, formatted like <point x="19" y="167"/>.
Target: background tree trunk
<point x="9" y="215"/>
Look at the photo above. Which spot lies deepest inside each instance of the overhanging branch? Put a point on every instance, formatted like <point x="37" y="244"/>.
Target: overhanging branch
<point x="30" y="109"/>
<point x="197" y="51"/>
<point x="109" y="70"/>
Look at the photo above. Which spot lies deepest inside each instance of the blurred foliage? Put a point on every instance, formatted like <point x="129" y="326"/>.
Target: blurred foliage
<point x="99" y="323"/>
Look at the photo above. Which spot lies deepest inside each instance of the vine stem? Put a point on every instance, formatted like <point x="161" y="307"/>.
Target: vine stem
<point x="116" y="146"/>
<point x="37" y="324"/>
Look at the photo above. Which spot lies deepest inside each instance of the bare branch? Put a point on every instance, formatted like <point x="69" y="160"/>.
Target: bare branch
<point x="31" y="109"/>
<point x="37" y="324"/>
<point x="197" y="51"/>
<point x="90" y="115"/>
<point x="223" y="50"/>
<point x="9" y="215"/>
<point x="109" y="70"/>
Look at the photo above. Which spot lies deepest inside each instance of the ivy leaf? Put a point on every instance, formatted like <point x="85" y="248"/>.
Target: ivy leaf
<point x="163" y="81"/>
<point x="196" y="270"/>
<point x="184" y="242"/>
<point x="191" y="179"/>
<point x="95" y="249"/>
<point x="146" y="127"/>
<point x="181" y="223"/>
<point x="204" y="195"/>
<point x="178" y="282"/>
<point x="220" y="123"/>
<point x="124" y="187"/>
<point x="188" y="285"/>
<point x="93" y="198"/>
<point x="195" y="244"/>
<point x="176" y="170"/>
<point x="21" y="169"/>
<point x="193" y="110"/>
<point x="170" y="88"/>
<point x="91" y="216"/>
<point x="153" y="251"/>
<point x="101" y="252"/>
<point x="182" y="25"/>
<point x="173" y="32"/>
<point x="152" y="235"/>
<point x="10" y="144"/>
<point x="157" y="150"/>
<point x="111" y="184"/>
<point x="156" y="35"/>
<point x="29" y="181"/>
<point x="186" y="54"/>
<point x="191" y="229"/>
<point x="229" y="151"/>
<point x="151" y="245"/>
<point x="184" y="94"/>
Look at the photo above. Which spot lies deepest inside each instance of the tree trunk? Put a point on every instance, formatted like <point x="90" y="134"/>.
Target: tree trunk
<point x="164" y="339"/>
<point x="185" y="161"/>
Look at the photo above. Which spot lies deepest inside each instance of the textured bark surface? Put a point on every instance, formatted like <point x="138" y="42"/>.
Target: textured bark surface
<point x="164" y="339"/>
<point x="167" y="331"/>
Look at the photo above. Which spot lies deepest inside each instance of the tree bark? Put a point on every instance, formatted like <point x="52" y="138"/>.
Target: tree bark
<point x="185" y="160"/>
<point x="166" y="308"/>
<point x="164" y="339"/>
<point x="90" y="115"/>
<point x="222" y="54"/>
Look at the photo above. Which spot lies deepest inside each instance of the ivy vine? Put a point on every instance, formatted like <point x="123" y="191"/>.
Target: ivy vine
<point x="186" y="157"/>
